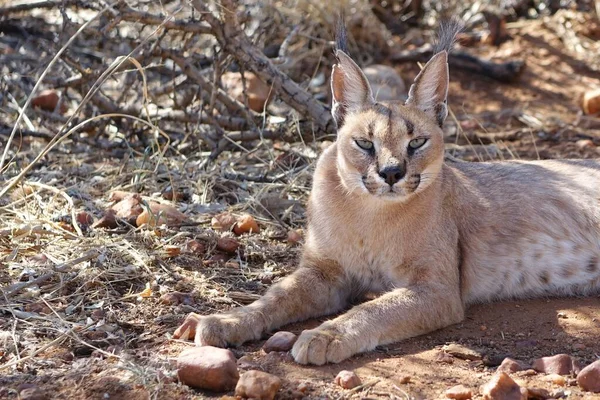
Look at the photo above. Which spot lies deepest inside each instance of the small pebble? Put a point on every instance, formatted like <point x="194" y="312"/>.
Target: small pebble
<point x="257" y="385"/>
<point x="228" y="244"/>
<point x="347" y="379"/>
<point x="459" y="392"/>
<point x="280" y="341"/>
<point x="557" y="379"/>
<point x="509" y="365"/>
<point x="445" y="358"/>
<point x="503" y="387"/>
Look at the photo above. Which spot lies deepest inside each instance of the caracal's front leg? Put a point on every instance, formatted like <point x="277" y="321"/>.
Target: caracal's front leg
<point x="316" y="288"/>
<point x="396" y="315"/>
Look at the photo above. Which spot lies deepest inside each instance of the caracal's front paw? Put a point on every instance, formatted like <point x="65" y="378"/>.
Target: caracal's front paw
<point x="325" y="344"/>
<point x="218" y="330"/>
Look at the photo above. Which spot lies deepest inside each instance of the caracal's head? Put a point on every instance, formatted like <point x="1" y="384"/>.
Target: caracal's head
<point x="389" y="150"/>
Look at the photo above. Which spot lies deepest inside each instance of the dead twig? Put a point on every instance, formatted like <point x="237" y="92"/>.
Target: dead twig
<point x="235" y="42"/>
<point x="508" y="71"/>
<point x="64" y="267"/>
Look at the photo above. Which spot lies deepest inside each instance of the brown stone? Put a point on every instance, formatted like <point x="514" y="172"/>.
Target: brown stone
<point x="591" y="102"/>
<point x="256" y="91"/>
<point x="129" y="208"/>
<point x="385" y="82"/>
<point x="160" y="214"/>
<point x="561" y="364"/>
<point x="502" y="387"/>
<point x="228" y="244"/>
<point x="589" y="377"/>
<point x="445" y="358"/>
<point x="208" y="367"/>
<point x="257" y="385"/>
<point x="462" y="352"/>
<point x="509" y="365"/>
<point x="246" y="224"/>
<point x="538" y="394"/>
<point x="294" y="236"/>
<point x="109" y="221"/>
<point x="280" y="341"/>
<point x="195" y="247"/>
<point x="47" y="100"/>
<point x="459" y="392"/>
<point x="347" y="379"/>
<point x="223" y="221"/>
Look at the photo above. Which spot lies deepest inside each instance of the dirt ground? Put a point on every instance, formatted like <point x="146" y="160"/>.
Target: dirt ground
<point x="96" y="336"/>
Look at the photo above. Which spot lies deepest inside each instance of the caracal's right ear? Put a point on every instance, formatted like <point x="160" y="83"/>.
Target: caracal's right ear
<point x="429" y="92"/>
<point x="350" y="89"/>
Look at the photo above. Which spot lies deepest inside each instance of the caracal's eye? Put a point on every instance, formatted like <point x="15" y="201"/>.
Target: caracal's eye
<point x="364" y="144"/>
<point x="416" y="143"/>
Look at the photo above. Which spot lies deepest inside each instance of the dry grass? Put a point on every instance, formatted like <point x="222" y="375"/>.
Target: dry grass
<point x="68" y="288"/>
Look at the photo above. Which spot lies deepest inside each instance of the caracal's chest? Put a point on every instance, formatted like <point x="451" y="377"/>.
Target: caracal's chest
<point x="371" y="251"/>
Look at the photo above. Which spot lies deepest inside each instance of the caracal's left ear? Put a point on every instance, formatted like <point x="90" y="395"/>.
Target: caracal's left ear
<point x="350" y="89"/>
<point x="429" y="92"/>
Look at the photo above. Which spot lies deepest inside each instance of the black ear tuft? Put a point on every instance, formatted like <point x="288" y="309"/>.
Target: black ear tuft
<point x="341" y="35"/>
<point x="447" y="35"/>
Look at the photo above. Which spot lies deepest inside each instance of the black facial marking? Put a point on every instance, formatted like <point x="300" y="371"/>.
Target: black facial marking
<point x="592" y="264"/>
<point x="410" y="128"/>
<point x="381" y="109"/>
<point x="370" y="130"/>
<point x="439" y="114"/>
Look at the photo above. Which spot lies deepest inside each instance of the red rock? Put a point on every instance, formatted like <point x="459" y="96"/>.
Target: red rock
<point x="109" y="221"/>
<point x="208" y="367"/>
<point x="195" y="247"/>
<point x="227" y="244"/>
<point x="347" y="379"/>
<point x="246" y="224"/>
<point x="280" y="341"/>
<point x="175" y="298"/>
<point x="177" y="195"/>
<point x="561" y="364"/>
<point x="257" y="92"/>
<point x="502" y="387"/>
<point x="119" y="195"/>
<point x="538" y="394"/>
<point x="257" y="385"/>
<point x="129" y="208"/>
<point x="84" y="219"/>
<point x="584" y="144"/>
<point x="509" y="365"/>
<point x="294" y="237"/>
<point x="459" y="392"/>
<point x="223" y="222"/>
<point x="591" y="102"/>
<point x="589" y="377"/>
<point x="46" y="100"/>
<point x="160" y="214"/>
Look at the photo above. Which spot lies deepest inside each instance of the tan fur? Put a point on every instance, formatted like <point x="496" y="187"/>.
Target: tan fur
<point x="444" y="236"/>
